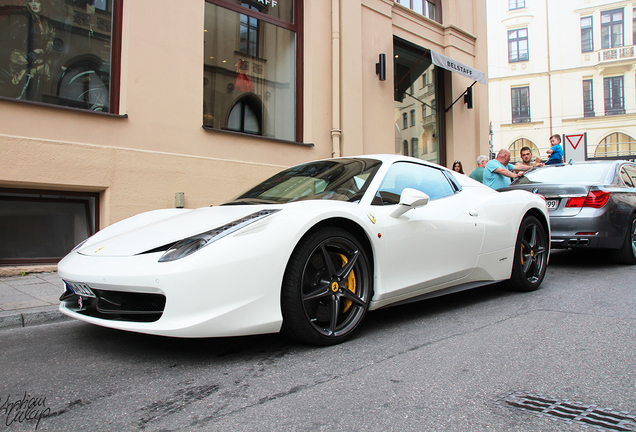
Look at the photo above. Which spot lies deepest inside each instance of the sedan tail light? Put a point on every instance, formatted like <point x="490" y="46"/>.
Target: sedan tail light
<point x="594" y="199"/>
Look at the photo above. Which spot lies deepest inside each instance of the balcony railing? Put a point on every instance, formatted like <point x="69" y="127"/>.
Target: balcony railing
<point x="614" y="54"/>
<point x="428" y="120"/>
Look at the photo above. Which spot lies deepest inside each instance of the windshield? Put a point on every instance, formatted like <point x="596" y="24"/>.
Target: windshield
<point x="338" y="179"/>
<point x="566" y="174"/>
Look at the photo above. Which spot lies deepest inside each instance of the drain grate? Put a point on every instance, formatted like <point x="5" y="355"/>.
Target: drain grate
<point x="603" y="419"/>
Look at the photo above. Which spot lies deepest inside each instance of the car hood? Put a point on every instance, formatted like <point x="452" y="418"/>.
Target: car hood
<point x="158" y="229"/>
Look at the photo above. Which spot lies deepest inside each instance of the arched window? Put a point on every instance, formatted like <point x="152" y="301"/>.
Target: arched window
<point x="515" y="149"/>
<point x="246" y="117"/>
<point x="616" y="144"/>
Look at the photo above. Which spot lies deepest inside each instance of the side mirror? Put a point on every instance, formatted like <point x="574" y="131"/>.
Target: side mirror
<point x="410" y="199"/>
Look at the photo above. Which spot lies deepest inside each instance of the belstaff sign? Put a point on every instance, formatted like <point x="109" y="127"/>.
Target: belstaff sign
<point x="457" y="67"/>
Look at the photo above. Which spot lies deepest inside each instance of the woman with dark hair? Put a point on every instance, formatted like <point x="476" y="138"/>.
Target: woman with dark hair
<point x="457" y="167"/>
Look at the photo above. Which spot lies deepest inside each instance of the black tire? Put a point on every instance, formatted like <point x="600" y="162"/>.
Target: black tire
<point x="327" y="287"/>
<point x="531" y="256"/>
<point x="627" y="253"/>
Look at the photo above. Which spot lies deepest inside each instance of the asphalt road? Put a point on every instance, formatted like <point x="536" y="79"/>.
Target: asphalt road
<point x="447" y="364"/>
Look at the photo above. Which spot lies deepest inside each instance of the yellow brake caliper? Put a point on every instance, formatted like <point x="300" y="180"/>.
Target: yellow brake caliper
<point x="350" y="284"/>
<point x="531" y="254"/>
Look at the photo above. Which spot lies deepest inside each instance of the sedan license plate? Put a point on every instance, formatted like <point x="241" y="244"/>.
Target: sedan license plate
<point x="552" y="203"/>
<point x="81" y="289"/>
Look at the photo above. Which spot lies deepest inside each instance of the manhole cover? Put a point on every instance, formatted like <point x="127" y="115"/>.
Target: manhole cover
<point x="602" y="419"/>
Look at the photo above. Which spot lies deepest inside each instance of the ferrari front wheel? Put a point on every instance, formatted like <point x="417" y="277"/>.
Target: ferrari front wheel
<point x="531" y="256"/>
<point x="327" y="288"/>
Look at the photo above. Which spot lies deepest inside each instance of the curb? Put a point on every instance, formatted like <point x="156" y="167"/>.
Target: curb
<point x="27" y="269"/>
<point x="31" y="317"/>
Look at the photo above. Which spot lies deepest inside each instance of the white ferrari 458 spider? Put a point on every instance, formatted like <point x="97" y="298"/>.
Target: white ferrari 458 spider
<point x="308" y="252"/>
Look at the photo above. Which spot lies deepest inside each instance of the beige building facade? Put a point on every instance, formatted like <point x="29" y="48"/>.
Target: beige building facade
<point x="566" y="68"/>
<point x="109" y="108"/>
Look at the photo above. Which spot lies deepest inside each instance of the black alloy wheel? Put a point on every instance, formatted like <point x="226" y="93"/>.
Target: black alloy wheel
<point x="627" y="253"/>
<point x="327" y="288"/>
<point x="531" y="256"/>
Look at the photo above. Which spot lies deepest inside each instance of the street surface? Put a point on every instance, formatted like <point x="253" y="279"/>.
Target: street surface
<point x="447" y="364"/>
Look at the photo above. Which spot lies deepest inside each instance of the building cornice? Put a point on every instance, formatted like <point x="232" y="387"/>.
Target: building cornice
<point x="517" y="21"/>
<point x="616" y="5"/>
<point x="521" y="125"/>
<point x="620" y="67"/>
<point x="450" y="36"/>
<point x="603" y="120"/>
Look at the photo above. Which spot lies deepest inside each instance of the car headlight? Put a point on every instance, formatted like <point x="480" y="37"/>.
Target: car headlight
<point x="190" y="245"/>
<point x="79" y="245"/>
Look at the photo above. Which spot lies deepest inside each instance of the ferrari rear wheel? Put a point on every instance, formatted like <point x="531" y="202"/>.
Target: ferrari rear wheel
<point x="627" y="253"/>
<point x="327" y="288"/>
<point x="531" y="256"/>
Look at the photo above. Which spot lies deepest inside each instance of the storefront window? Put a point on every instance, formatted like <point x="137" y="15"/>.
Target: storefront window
<point x="57" y="52"/>
<point x="249" y="83"/>
<point x="43" y="226"/>
<point x="412" y="64"/>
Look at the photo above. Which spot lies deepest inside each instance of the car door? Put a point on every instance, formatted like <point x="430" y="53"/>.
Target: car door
<point x="431" y="246"/>
<point x="625" y="197"/>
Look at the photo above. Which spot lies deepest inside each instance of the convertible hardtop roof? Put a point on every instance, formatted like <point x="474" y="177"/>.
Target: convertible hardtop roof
<point x="390" y="158"/>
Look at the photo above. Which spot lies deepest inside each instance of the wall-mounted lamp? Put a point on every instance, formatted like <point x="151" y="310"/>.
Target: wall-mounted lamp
<point x="468" y="97"/>
<point x="380" y="67"/>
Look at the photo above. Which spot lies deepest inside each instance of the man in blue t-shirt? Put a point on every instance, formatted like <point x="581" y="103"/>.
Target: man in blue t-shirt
<point x="498" y="171"/>
<point x="556" y="151"/>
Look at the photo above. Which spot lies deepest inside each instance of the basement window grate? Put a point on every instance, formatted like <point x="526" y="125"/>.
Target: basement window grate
<point x="602" y="419"/>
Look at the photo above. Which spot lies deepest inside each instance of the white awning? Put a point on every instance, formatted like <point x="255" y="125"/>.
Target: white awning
<point x="457" y="67"/>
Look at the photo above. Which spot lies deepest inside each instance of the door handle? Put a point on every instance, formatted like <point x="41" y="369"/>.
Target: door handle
<point x="473" y="212"/>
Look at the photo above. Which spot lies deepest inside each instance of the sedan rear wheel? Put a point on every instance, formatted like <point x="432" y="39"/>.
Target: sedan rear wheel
<point x="627" y="253"/>
<point x="326" y="289"/>
<point x="531" y="256"/>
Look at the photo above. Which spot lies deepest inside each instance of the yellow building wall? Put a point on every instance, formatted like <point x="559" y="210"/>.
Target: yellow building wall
<point x="137" y="161"/>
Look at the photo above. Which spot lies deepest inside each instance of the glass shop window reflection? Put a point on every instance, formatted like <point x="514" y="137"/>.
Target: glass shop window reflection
<point x="56" y="52"/>
<point x="249" y="82"/>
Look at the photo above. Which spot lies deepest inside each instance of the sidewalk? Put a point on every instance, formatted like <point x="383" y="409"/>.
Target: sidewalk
<point x="30" y="299"/>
